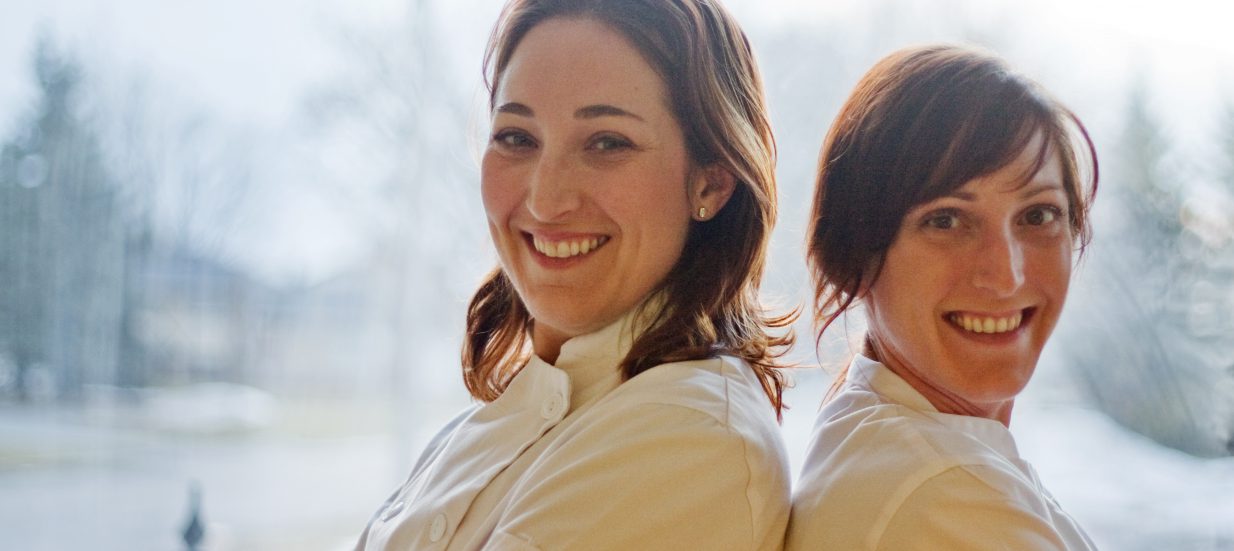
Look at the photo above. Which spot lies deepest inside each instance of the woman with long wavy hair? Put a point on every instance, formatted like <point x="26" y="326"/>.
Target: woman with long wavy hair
<point x="624" y="368"/>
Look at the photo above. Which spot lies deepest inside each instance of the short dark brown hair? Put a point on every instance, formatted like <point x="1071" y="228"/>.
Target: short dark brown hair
<point x="920" y="124"/>
<point x="715" y="93"/>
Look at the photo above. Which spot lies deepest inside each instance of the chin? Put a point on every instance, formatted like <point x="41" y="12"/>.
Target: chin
<point x="1007" y="382"/>
<point x="564" y="320"/>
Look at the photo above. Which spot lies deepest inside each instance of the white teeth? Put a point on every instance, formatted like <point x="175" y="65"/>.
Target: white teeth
<point x="987" y="324"/>
<point x="566" y="249"/>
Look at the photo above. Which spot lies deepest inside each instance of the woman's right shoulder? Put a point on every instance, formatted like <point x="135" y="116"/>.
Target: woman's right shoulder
<point x="864" y="455"/>
<point x="960" y="507"/>
<point x="876" y="470"/>
<point x="970" y="506"/>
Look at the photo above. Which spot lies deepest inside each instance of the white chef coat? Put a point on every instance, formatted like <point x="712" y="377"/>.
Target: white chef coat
<point x="887" y="470"/>
<point x="684" y="456"/>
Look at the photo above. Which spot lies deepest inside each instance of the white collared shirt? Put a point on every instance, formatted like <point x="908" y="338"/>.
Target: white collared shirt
<point x="686" y="455"/>
<point x="887" y="470"/>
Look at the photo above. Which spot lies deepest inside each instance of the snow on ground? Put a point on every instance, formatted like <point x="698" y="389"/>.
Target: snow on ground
<point x="1126" y="490"/>
<point x="74" y="479"/>
<point x="80" y="479"/>
<point x="1129" y="493"/>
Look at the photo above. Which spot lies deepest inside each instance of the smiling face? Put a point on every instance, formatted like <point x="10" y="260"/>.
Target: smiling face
<point x="973" y="285"/>
<point x="584" y="179"/>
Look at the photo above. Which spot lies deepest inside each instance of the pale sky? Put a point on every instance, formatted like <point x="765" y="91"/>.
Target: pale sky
<point x="250" y="62"/>
<point x="252" y="58"/>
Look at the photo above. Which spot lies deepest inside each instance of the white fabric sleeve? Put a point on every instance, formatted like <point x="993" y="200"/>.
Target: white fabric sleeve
<point x="650" y="477"/>
<point x="958" y="510"/>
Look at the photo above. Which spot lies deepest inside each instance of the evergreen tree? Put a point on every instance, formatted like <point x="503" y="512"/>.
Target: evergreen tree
<point x="62" y="242"/>
<point x="1226" y="146"/>
<point x="23" y="266"/>
<point x="1144" y="350"/>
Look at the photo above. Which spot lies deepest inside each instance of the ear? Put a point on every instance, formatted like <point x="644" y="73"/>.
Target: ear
<point x="709" y="190"/>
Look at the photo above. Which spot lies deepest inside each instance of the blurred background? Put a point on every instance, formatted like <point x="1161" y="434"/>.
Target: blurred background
<point x="237" y="240"/>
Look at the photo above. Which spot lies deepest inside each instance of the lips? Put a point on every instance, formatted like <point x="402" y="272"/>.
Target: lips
<point x="989" y="323"/>
<point x="569" y="247"/>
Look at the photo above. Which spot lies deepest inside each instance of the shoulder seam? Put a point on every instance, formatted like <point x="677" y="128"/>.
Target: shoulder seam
<point x="745" y="449"/>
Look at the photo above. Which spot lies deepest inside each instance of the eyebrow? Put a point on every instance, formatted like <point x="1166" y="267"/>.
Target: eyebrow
<point x="1031" y="189"/>
<point x="596" y="111"/>
<point x="516" y="109"/>
<point x="588" y="112"/>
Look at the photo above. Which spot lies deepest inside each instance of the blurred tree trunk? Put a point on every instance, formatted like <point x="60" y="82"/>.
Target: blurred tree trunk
<point x="403" y="112"/>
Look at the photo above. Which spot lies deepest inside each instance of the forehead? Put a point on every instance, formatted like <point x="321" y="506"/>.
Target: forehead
<point x="575" y="62"/>
<point x="1036" y="165"/>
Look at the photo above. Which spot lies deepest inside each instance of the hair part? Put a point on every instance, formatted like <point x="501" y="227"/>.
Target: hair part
<point x="711" y="302"/>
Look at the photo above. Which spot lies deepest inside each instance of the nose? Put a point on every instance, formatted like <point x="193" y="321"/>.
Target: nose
<point x="553" y="189"/>
<point x="999" y="263"/>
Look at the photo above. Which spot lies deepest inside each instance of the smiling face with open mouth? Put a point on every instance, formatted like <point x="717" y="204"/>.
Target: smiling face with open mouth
<point x="584" y="179"/>
<point x="973" y="285"/>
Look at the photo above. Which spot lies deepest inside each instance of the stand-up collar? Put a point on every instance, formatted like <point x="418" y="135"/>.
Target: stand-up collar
<point x="865" y="373"/>
<point x="592" y="361"/>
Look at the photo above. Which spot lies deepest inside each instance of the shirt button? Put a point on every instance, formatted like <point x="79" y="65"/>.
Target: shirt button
<point x="553" y="406"/>
<point x="393" y="510"/>
<point x="438" y="528"/>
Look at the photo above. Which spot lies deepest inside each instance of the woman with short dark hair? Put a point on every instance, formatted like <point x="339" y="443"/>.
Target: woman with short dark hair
<point x="952" y="201"/>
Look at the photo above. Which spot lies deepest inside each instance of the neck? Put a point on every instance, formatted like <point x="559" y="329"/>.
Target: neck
<point x="546" y="343"/>
<point x="941" y="398"/>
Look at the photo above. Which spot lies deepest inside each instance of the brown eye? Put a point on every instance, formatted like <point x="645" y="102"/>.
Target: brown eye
<point x="942" y="221"/>
<point x="1042" y="215"/>
<point x="513" y="139"/>
<point x="609" y="142"/>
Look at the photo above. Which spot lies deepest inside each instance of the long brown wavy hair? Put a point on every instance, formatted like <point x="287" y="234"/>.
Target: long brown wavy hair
<point x="920" y="124"/>
<point x="711" y="302"/>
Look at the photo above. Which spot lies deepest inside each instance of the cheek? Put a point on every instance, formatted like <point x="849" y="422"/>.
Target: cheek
<point x="654" y="222"/>
<point x="894" y="317"/>
<point x="887" y="310"/>
<point x="902" y="304"/>
<point x="498" y="190"/>
<point x="1062" y="275"/>
<point x="648" y="203"/>
<point x="1052" y="270"/>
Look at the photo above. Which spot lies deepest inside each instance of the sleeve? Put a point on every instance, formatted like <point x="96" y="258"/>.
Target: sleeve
<point x="651" y="477"/>
<point x="959" y="510"/>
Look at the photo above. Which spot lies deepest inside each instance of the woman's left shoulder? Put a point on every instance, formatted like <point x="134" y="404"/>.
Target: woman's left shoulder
<point x="646" y="442"/>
